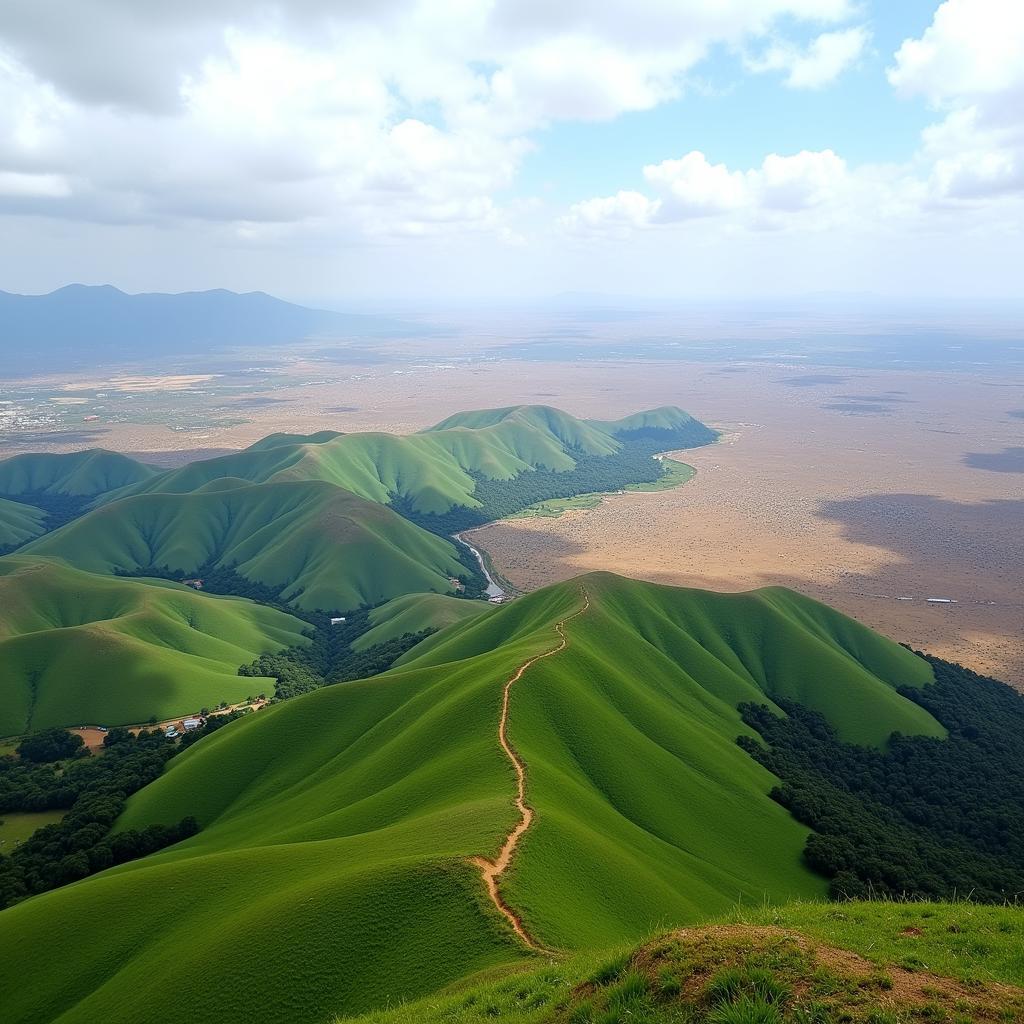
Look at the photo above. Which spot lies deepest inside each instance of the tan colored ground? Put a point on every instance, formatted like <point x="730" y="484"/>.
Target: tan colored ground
<point x="856" y="508"/>
<point x="93" y="738"/>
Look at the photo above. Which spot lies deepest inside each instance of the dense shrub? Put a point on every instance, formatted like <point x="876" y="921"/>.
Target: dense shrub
<point x="93" y="790"/>
<point x="51" y="745"/>
<point x="926" y="817"/>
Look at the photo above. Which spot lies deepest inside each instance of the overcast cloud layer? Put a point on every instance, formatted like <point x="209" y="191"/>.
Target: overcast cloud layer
<point x="375" y="148"/>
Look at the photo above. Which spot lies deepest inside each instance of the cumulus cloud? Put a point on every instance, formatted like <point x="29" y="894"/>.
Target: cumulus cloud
<point x="398" y="117"/>
<point x="816" y="65"/>
<point x="969" y="63"/>
<point x="692" y="187"/>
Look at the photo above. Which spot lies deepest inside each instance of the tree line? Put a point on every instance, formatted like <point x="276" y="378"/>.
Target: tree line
<point x="93" y="790"/>
<point x="927" y="818"/>
<point x="633" y="463"/>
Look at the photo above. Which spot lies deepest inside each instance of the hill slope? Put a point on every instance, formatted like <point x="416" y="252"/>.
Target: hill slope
<point x="438" y="469"/>
<point x="78" y="648"/>
<point x="19" y="523"/>
<point x="865" y="963"/>
<point x="332" y="873"/>
<point x="78" y="474"/>
<point x="328" y="548"/>
<point x="414" y="613"/>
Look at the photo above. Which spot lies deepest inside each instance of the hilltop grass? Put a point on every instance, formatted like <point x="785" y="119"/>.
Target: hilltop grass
<point x="78" y="648"/>
<point x="968" y="941"/>
<point x="778" y="966"/>
<point x="331" y="874"/>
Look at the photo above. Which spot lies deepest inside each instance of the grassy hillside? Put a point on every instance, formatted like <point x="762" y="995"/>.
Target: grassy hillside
<point x="78" y="474"/>
<point x="863" y="963"/>
<point x="331" y="874"/>
<point x="414" y="613"/>
<point x="19" y="523"/>
<point x="77" y="648"/>
<point x="666" y="417"/>
<point x="431" y="472"/>
<point x="326" y="547"/>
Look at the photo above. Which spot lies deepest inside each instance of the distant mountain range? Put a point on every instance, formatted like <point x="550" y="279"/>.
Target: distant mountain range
<point x="83" y="323"/>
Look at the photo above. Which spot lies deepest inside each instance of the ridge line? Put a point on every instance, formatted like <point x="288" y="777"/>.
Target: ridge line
<point x="492" y="870"/>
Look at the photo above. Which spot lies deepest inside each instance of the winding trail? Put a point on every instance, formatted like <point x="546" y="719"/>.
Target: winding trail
<point x="492" y="870"/>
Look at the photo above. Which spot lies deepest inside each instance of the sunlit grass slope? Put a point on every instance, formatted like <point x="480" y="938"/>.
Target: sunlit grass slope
<point x="416" y="612"/>
<point x="78" y="648"/>
<point x="666" y="417"/>
<point x="331" y="876"/>
<point x="648" y="691"/>
<point x="432" y="470"/>
<point x="79" y="474"/>
<point x="19" y="522"/>
<point x="327" y="547"/>
<point x="857" y="963"/>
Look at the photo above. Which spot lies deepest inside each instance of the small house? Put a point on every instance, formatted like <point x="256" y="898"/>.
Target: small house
<point x="337" y="620"/>
<point x="191" y="724"/>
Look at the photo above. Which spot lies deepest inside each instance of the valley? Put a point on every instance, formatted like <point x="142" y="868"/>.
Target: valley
<point x="451" y="784"/>
<point x="859" y="506"/>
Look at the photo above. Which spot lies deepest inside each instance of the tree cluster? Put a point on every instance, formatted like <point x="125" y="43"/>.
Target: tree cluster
<point x="926" y="817"/>
<point x="94" y="791"/>
<point x="51" y="745"/>
<point x="330" y="657"/>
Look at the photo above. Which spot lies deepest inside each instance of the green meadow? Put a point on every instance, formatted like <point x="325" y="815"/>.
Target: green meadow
<point x="676" y="474"/>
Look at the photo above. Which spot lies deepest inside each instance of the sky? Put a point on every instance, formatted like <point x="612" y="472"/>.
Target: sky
<point x="376" y="151"/>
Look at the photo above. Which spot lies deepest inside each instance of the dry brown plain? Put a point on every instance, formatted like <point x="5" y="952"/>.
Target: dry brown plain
<point x="858" y="487"/>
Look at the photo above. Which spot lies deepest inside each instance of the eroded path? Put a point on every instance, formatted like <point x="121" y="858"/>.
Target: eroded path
<point x="492" y="870"/>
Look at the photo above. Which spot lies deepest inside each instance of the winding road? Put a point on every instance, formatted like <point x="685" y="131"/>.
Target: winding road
<point x="492" y="870"/>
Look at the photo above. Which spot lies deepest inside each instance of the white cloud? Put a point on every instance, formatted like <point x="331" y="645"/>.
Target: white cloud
<point x="972" y="48"/>
<point x="692" y="187"/>
<point x="397" y="117"/>
<point x="969" y="63"/>
<point x="818" y="64"/>
<point x="615" y="215"/>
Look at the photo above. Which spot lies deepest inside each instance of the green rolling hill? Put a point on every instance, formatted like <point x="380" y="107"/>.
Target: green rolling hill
<point x="666" y="419"/>
<point x="414" y="613"/>
<point x="327" y="548"/>
<point x="82" y="474"/>
<point x="19" y="522"/>
<point x="332" y="874"/>
<point x="432" y="472"/>
<point x="79" y="648"/>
